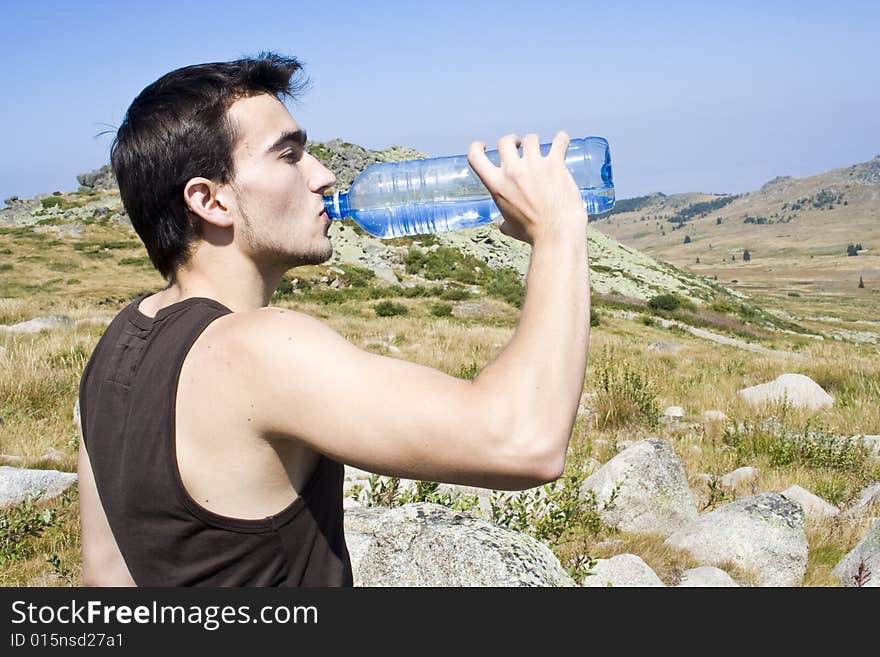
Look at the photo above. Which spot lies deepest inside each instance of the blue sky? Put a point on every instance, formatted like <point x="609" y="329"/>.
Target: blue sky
<point x="692" y="96"/>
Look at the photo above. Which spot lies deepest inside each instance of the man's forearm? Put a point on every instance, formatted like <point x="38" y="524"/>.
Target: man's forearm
<point x="538" y="378"/>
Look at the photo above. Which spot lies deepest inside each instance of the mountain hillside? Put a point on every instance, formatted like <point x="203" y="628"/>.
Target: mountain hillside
<point x="615" y="268"/>
<point x="817" y="235"/>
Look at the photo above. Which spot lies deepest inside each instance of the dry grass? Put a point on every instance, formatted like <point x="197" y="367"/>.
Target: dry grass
<point x="39" y="374"/>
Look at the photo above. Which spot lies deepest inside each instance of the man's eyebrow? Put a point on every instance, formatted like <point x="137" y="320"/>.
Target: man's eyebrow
<point x="297" y="137"/>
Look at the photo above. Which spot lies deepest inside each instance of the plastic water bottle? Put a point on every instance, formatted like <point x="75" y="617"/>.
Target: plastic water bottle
<point x="392" y="199"/>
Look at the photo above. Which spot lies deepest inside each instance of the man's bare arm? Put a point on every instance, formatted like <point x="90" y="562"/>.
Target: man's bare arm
<point x="510" y="427"/>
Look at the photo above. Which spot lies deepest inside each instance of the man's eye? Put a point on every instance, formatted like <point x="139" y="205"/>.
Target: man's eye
<point x="293" y="156"/>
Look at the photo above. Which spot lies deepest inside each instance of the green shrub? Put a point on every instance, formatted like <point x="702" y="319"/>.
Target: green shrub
<point x="23" y="523"/>
<point x="386" y="491"/>
<point x="390" y="309"/>
<point x="444" y="263"/>
<point x="5" y="266"/>
<point x="441" y="310"/>
<point x="51" y="202"/>
<point x="468" y="371"/>
<point x="455" y="294"/>
<point x="594" y="317"/>
<point x="808" y="447"/>
<point x="415" y="291"/>
<point x="665" y="302"/>
<point x="356" y="276"/>
<point x="140" y="262"/>
<point x="504" y="284"/>
<point x="624" y="394"/>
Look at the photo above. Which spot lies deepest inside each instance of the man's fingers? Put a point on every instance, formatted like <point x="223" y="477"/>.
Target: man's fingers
<point x="482" y="165"/>
<point x="531" y="146"/>
<point x="507" y="146"/>
<point x="559" y="146"/>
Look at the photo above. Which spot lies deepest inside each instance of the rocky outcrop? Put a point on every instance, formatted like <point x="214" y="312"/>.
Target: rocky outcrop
<point x="706" y="577"/>
<point x="430" y="545"/>
<point x="18" y="484"/>
<point x="861" y="566"/>
<point x="102" y="178"/>
<point x="763" y="534"/>
<point x="739" y="476"/>
<point x="813" y="505"/>
<point x="867" y="502"/>
<point x="796" y="389"/>
<point x="37" y="324"/>
<point x="622" y="570"/>
<point x="654" y="495"/>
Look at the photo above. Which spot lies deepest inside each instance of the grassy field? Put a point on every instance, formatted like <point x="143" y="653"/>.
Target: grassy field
<point x="458" y="328"/>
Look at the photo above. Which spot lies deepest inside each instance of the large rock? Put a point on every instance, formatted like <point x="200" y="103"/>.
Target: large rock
<point x="813" y="505"/>
<point x="799" y="390"/>
<point x="37" y="324"/>
<point x="861" y="566"/>
<point x="102" y="178"/>
<point x="17" y="484"/>
<point x="706" y="577"/>
<point x="739" y="476"/>
<point x="654" y="495"/>
<point x="867" y="502"/>
<point x="430" y="545"/>
<point x="764" y="534"/>
<point x="622" y="570"/>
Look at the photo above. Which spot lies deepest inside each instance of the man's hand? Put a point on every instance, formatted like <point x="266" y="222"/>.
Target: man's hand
<point x="537" y="195"/>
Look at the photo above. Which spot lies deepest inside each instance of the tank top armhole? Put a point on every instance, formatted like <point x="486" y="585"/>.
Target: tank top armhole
<point x="243" y="525"/>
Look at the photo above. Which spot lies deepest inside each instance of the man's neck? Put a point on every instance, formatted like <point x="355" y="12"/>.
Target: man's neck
<point x="237" y="290"/>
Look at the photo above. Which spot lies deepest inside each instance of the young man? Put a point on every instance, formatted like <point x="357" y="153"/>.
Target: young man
<point x="214" y="427"/>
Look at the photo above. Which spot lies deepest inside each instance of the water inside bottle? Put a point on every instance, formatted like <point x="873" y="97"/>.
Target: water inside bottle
<point x="441" y="216"/>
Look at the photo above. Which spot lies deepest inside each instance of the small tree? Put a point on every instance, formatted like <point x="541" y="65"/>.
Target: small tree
<point x="851" y="250"/>
<point x="861" y="282"/>
<point x="746" y="255"/>
<point x="698" y="260"/>
<point x="718" y="221"/>
<point x="687" y="239"/>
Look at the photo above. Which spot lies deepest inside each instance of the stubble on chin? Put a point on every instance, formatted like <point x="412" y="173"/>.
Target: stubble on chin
<point x="314" y="253"/>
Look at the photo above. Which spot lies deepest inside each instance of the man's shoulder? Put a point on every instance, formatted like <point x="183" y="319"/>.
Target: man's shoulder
<point x="261" y="330"/>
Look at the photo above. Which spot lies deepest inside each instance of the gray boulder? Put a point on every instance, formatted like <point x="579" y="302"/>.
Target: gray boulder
<point x="430" y="545"/>
<point x="813" y="505"/>
<point x="714" y="415"/>
<point x="861" y="566"/>
<point x="18" y="484"/>
<point x="37" y="324"/>
<point x="739" y="476"/>
<point x="102" y="178"/>
<point x="654" y="495"/>
<point x="800" y="391"/>
<point x="665" y="347"/>
<point x="706" y="577"/>
<point x="622" y="570"/>
<point x="867" y="502"/>
<point x="764" y="534"/>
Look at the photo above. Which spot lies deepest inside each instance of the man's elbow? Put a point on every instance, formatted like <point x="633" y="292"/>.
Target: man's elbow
<point x="538" y="461"/>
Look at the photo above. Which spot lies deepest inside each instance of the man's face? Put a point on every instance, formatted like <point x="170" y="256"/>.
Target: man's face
<point x="278" y="186"/>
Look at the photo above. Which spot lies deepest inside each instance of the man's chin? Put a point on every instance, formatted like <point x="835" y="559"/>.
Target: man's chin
<point x="315" y="257"/>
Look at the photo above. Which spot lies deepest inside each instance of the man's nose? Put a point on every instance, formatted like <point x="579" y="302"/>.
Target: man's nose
<point x="322" y="177"/>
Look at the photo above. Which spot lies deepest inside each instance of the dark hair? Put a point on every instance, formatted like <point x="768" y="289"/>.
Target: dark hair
<point x="176" y="129"/>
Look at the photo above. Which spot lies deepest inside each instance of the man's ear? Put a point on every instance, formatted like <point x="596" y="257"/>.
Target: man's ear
<point x="209" y="201"/>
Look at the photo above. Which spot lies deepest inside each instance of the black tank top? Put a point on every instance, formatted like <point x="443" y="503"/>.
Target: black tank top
<point x="127" y="397"/>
